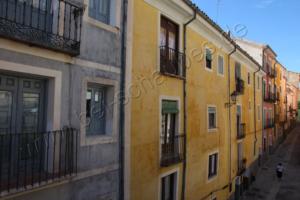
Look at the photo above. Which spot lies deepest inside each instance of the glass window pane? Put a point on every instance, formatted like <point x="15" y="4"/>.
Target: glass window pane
<point x="95" y="110"/>
<point x="30" y="117"/>
<point x="5" y="111"/>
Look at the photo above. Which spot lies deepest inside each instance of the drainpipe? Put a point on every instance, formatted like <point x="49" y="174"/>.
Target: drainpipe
<point x="275" y="103"/>
<point x="122" y="99"/>
<point x="254" y="108"/>
<point x="229" y="115"/>
<point x="185" y="104"/>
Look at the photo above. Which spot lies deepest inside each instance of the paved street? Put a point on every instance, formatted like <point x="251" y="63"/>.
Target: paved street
<point x="267" y="187"/>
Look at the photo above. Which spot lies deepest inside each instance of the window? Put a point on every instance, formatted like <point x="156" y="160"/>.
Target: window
<point x="100" y="10"/>
<point x="168" y="187"/>
<point x="249" y="78"/>
<point x="208" y="59"/>
<point x="212" y="117"/>
<point x="258" y="112"/>
<point x="212" y="165"/>
<point x="95" y="109"/>
<point x="169" y="36"/>
<point x="220" y="65"/>
<point x="258" y="83"/>
<point x="169" y="136"/>
<point x="238" y="73"/>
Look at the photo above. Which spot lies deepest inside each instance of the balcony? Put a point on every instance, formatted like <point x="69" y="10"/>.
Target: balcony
<point x="270" y="97"/>
<point x="51" y="24"/>
<point x="271" y="72"/>
<point x="172" y="150"/>
<point x="172" y="62"/>
<point x="241" y="131"/>
<point x="241" y="166"/>
<point x="239" y="86"/>
<point x="278" y="96"/>
<point x="277" y="118"/>
<point x="269" y="124"/>
<point x="30" y="160"/>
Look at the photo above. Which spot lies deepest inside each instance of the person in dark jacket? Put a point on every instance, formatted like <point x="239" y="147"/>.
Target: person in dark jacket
<point x="279" y="171"/>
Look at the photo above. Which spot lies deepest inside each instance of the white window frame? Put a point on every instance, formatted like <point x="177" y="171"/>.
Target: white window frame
<point x="109" y="137"/>
<point x="249" y="78"/>
<point x="178" y="117"/>
<point x="221" y="74"/>
<point x="212" y="59"/>
<point x="258" y="112"/>
<point x="174" y="171"/>
<point x="115" y="15"/>
<point x="216" y="118"/>
<point x="258" y="82"/>
<point x="212" y="178"/>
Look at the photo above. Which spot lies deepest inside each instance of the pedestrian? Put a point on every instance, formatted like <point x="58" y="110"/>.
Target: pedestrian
<point x="279" y="171"/>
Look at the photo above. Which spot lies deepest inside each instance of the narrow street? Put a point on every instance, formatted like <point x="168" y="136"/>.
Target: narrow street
<point x="267" y="187"/>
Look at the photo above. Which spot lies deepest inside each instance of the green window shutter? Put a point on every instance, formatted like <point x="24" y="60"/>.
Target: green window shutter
<point x="169" y="107"/>
<point x="208" y="55"/>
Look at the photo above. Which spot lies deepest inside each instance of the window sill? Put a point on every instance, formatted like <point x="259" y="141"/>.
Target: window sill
<point x="212" y="130"/>
<point x="172" y="75"/>
<point x="212" y="178"/>
<point x="208" y="69"/>
<point x="102" y="25"/>
<point x="98" y="139"/>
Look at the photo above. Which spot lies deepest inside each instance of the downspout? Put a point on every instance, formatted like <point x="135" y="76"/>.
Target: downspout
<point x="185" y="104"/>
<point x="275" y="133"/>
<point x="122" y="99"/>
<point x="229" y="116"/>
<point x="254" y="108"/>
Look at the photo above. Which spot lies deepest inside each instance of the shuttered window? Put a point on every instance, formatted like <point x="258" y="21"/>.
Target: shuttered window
<point x="169" y="107"/>
<point x="220" y="65"/>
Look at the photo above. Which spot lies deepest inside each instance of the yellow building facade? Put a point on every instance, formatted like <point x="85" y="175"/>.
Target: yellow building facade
<point x="193" y="97"/>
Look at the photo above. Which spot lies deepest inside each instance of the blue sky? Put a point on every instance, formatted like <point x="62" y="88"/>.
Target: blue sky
<point x="273" y="22"/>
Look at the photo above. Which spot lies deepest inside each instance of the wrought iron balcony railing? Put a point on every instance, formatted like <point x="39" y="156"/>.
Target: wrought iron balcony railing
<point x="172" y="62"/>
<point x="172" y="150"/>
<point x="278" y="96"/>
<point x="52" y="24"/>
<point x="269" y="124"/>
<point x="270" y="97"/>
<point x="241" y="131"/>
<point x="240" y="86"/>
<point x="29" y="160"/>
<point x="272" y="72"/>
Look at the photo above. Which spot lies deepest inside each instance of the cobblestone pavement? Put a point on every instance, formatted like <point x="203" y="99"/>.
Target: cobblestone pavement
<point x="266" y="186"/>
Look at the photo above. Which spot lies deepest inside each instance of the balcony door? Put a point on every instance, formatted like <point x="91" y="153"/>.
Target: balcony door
<point x="169" y="35"/>
<point x="238" y="119"/>
<point x="22" y="105"/>
<point x="169" y="128"/>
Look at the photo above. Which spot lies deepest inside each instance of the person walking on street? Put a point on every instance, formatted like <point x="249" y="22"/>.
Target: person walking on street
<point x="279" y="171"/>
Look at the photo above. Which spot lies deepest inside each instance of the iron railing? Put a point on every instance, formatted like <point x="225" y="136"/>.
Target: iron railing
<point x="241" y="131"/>
<point x="278" y="96"/>
<point x="172" y="62"/>
<point x="172" y="150"/>
<point x="240" y="85"/>
<point x="271" y="72"/>
<point x="270" y="97"/>
<point x="269" y="124"/>
<point x="52" y="24"/>
<point x="29" y="160"/>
